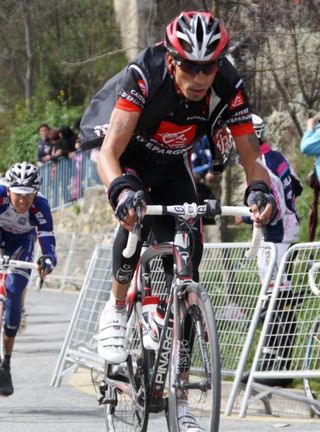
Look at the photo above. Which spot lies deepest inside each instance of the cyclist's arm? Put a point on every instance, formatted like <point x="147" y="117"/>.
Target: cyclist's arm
<point x="41" y="217"/>
<point x="48" y="260"/>
<point x="248" y="149"/>
<point x="121" y="129"/>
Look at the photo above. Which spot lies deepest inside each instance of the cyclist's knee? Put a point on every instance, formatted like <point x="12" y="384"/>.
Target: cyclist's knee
<point x="124" y="273"/>
<point x="11" y="330"/>
<point x="12" y="318"/>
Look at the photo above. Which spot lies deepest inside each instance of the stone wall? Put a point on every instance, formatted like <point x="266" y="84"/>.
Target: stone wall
<point x="91" y="214"/>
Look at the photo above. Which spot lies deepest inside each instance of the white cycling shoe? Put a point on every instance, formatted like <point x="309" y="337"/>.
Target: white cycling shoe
<point x="112" y="335"/>
<point x="186" y="420"/>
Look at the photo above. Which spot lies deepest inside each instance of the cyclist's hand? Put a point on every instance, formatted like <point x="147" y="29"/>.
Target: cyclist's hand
<point x="125" y="211"/>
<point x="44" y="266"/>
<point x="263" y="207"/>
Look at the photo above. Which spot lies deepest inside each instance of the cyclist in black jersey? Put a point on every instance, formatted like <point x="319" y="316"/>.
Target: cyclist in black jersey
<point x="153" y="111"/>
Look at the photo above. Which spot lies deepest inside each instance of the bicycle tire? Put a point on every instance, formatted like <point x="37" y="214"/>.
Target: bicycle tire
<point x="311" y="360"/>
<point x="122" y="415"/>
<point x="204" y="404"/>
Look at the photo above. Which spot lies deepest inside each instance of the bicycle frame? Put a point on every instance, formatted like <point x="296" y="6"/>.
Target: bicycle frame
<point x="179" y="249"/>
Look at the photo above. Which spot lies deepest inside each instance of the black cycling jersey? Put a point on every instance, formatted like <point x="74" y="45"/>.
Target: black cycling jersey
<point x="169" y="123"/>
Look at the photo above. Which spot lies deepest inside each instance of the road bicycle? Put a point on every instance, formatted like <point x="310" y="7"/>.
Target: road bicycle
<point x="188" y="349"/>
<point x="7" y="264"/>
<point x="312" y="355"/>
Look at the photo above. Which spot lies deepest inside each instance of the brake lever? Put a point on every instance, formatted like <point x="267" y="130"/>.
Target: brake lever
<point x="138" y="203"/>
<point x="138" y="223"/>
<point x="40" y="280"/>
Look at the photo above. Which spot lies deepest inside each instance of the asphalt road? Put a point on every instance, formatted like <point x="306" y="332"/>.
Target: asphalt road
<point x="37" y="407"/>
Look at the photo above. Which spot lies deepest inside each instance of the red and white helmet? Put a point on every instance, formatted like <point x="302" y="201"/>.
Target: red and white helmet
<point x="196" y="36"/>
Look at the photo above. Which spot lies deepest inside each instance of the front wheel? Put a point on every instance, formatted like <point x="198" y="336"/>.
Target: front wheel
<point x="312" y="362"/>
<point x="195" y="379"/>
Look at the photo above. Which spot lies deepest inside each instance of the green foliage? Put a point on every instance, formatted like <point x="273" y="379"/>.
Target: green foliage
<point x="76" y="47"/>
<point x="76" y="208"/>
<point x="304" y="202"/>
<point x="21" y="142"/>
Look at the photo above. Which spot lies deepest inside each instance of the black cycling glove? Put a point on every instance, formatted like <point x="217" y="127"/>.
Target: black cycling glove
<point x="258" y="193"/>
<point x="45" y="263"/>
<point x="125" y="203"/>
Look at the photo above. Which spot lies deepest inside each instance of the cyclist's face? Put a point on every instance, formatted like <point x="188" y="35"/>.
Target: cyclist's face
<point x="193" y="82"/>
<point x="21" y="203"/>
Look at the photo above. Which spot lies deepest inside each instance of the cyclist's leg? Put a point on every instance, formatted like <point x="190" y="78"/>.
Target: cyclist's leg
<point x="179" y="188"/>
<point x="16" y="282"/>
<point x="2" y="306"/>
<point x="113" y="318"/>
<point x="121" y="413"/>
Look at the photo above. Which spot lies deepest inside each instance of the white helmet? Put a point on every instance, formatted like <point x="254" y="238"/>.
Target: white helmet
<point x="259" y="125"/>
<point x="23" y="177"/>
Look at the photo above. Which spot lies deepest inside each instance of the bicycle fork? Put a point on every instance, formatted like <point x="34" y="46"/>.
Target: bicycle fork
<point x="183" y="348"/>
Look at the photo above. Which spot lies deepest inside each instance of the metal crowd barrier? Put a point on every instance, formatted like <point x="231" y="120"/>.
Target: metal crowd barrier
<point x="65" y="179"/>
<point x="74" y="251"/>
<point x="282" y="349"/>
<point x="233" y="284"/>
<point x="80" y="347"/>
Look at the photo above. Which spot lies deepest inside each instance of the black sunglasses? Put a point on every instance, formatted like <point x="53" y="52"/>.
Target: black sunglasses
<point x="194" y="68"/>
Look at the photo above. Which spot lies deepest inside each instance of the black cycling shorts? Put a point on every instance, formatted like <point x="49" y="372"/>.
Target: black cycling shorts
<point x="166" y="185"/>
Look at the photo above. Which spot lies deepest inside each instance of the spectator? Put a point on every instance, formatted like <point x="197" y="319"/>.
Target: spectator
<point x="44" y="144"/>
<point x="76" y="183"/>
<point x="284" y="233"/>
<point x="67" y="140"/>
<point x="77" y="148"/>
<point x="56" y="151"/>
<point x="201" y="159"/>
<point x="310" y="146"/>
<point x="310" y="142"/>
<point x="287" y="186"/>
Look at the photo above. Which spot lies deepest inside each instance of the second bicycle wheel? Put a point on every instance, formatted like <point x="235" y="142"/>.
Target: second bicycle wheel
<point x="195" y="383"/>
<point x="123" y="413"/>
<point x="312" y="362"/>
